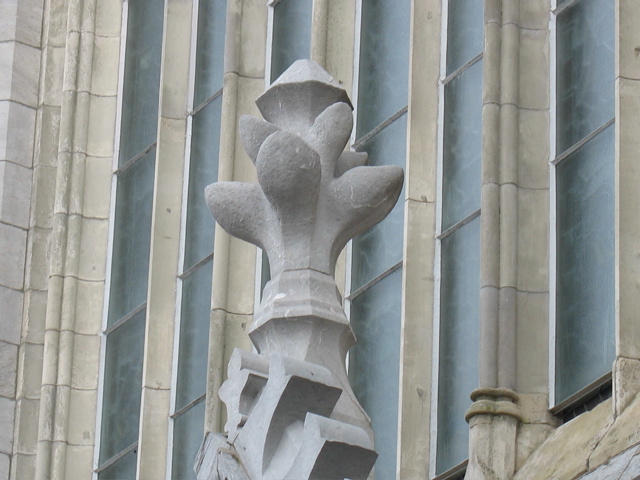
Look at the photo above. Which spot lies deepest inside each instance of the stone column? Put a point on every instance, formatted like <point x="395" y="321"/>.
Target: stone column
<point x="493" y="417"/>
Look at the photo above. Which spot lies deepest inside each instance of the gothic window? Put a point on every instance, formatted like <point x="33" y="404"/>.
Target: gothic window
<point x="584" y="197"/>
<point x="125" y="323"/>
<point x="188" y="408"/>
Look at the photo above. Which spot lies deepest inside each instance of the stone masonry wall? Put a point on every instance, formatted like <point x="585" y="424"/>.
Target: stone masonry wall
<point x="20" y="39"/>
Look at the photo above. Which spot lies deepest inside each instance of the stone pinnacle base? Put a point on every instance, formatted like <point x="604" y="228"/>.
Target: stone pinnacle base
<point x="280" y="427"/>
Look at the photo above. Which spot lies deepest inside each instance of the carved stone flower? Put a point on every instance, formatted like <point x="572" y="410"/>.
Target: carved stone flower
<point x="312" y="197"/>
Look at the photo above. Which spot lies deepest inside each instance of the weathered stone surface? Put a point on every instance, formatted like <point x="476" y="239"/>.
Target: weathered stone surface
<point x="624" y="433"/>
<point x="493" y="420"/>
<point x="7" y="408"/>
<point x="617" y="467"/>
<point x="632" y="472"/>
<point x="626" y="374"/>
<point x="536" y="425"/>
<point x="12" y="256"/>
<point x="569" y="446"/>
<point x="4" y="465"/>
<point x="8" y="367"/>
<point x="11" y="320"/>
<point x="215" y="460"/>
<point x="291" y="411"/>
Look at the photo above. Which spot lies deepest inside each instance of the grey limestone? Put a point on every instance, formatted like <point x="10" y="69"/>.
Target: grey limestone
<point x="215" y="460"/>
<point x="8" y="367"/>
<point x="7" y="408"/>
<point x="632" y="472"/>
<point x="625" y="466"/>
<point x="15" y="189"/>
<point x="12" y="256"/>
<point x="17" y="123"/>
<point x="5" y="463"/>
<point x="11" y="318"/>
<point x="291" y="411"/>
<point x="21" y="20"/>
<point x="22" y="84"/>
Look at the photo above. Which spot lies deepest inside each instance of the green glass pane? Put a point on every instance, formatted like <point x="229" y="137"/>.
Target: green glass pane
<point x="585" y="70"/>
<point x="188" y="432"/>
<point x="141" y="77"/>
<point x="465" y="32"/>
<point x="131" y="238"/>
<point x="210" y="48"/>
<point x="203" y="170"/>
<point x="462" y="146"/>
<point x="585" y="301"/>
<point x="291" y="34"/>
<point x="194" y="335"/>
<point x="374" y="364"/>
<point x="380" y="247"/>
<point x="384" y="62"/>
<point x="122" y="387"/>
<point x="123" y="469"/>
<point x="459" y="341"/>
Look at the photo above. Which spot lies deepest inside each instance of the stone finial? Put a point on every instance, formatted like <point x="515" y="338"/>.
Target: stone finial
<point x="312" y="197"/>
<point x="291" y="411"/>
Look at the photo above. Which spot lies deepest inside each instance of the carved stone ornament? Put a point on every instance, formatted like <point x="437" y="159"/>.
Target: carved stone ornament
<point x="291" y="411"/>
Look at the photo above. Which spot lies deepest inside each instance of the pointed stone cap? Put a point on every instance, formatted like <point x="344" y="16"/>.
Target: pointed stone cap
<point x="300" y="94"/>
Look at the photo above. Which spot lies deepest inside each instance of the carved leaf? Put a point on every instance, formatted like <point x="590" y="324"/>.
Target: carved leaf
<point x="331" y="131"/>
<point x="364" y="196"/>
<point x="349" y="160"/>
<point x="253" y="132"/>
<point x="239" y="208"/>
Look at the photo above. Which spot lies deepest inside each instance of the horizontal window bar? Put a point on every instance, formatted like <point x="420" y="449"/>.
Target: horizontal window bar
<point x="582" y="142"/>
<point x="205" y="103"/>
<point x="189" y="405"/>
<point x="125" y="319"/>
<point x="371" y="283"/>
<point x="372" y="133"/>
<point x="129" y="163"/>
<point x="460" y="224"/>
<point x="117" y="457"/>
<point x="582" y="394"/>
<point x="195" y="267"/>
<point x="461" y="69"/>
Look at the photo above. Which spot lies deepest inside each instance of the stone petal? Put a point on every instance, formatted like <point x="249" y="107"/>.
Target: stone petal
<point x="330" y="134"/>
<point x="240" y="209"/>
<point x="364" y="196"/>
<point x="253" y="132"/>
<point x="349" y="160"/>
